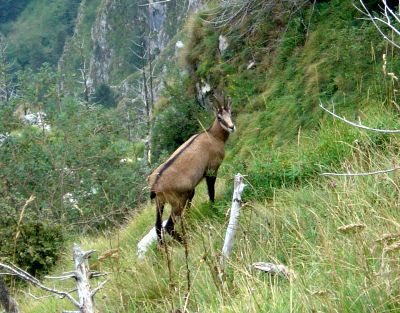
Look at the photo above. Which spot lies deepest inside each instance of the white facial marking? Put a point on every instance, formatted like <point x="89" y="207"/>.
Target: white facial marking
<point x="226" y="121"/>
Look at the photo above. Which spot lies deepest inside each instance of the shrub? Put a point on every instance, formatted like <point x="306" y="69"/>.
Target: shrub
<point x="28" y="240"/>
<point x="105" y="96"/>
<point x="176" y="123"/>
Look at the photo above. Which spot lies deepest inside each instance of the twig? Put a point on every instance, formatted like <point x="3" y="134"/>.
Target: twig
<point x="185" y="244"/>
<point x="375" y="20"/>
<point x="63" y="276"/>
<point x="98" y="288"/>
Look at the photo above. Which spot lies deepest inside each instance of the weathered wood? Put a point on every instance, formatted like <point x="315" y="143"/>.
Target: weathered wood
<point x="234" y="216"/>
<point x="82" y="274"/>
<point x="274" y="269"/>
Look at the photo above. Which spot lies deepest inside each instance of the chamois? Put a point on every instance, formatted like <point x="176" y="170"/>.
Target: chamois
<point x="175" y="180"/>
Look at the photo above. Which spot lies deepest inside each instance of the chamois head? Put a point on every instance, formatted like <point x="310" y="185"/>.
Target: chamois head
<point x="222" y="107"/>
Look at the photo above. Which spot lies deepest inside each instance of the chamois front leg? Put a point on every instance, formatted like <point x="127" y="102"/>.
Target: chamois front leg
<point x="211" y="186"/>
<point x="159" y="213"/>
<point x="191" y="195"/>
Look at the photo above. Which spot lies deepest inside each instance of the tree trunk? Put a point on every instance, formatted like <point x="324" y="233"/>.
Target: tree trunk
<point x="5" y="299"/>
<point x="82" y="273"/>
<point x="233" y="219"/>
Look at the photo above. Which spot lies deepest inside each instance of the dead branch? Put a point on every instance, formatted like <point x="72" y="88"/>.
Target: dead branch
<point x="359" y="125"/>
<point x="233" y="219"/>
<point x="274" y="269"/>
<point x="385" y="21"/>
<point x="362" y="174"/>
<point x="81" y="274"/>
<point x="154" y="3"/>
<point x="32" y="280"/>
<point x="232" y="13"/>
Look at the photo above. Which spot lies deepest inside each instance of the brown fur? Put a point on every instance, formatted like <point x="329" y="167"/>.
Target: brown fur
<point x="175" y="180"/>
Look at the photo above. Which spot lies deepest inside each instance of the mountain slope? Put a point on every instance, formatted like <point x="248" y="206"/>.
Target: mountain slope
<point x="290" y="214"/>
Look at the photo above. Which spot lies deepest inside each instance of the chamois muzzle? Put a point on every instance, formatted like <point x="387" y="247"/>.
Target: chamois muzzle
<point x="225" y="120"/>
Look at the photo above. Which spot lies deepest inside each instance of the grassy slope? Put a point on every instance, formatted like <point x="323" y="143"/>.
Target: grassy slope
<point x="291" y="215"/>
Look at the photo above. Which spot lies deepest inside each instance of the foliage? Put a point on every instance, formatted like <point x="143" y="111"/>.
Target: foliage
<point x="104" y="96"/>
<point x="28" y="240"/>
<point x="290" y="214"/>
<point x="177" y="122"/>
<point x="37" y="90"/>
<point x="10" y="9"/>
<point x="39" y="33"/>
<point x="75" y="170"/>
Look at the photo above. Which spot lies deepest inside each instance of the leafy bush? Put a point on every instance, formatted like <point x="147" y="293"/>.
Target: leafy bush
<point x="75" y="171"/>
<point x="30" y="241"/>
<point x="176" y="123"/>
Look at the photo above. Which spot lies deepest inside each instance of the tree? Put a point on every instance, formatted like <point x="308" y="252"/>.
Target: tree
<point x="7" y="84"/>
<point x="144" y="53"/>
<point x="104" y="95"/>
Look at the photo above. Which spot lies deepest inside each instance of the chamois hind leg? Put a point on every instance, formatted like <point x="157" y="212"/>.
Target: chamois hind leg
<point x="211" y="187"/>
<point x="159" y="213"/>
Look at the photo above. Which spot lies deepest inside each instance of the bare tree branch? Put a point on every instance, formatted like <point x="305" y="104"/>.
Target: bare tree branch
<point x="359" y="125"/>
<point x="30" y="279"/>
<point x="377" y="21"/>
<point x="81" y="274"/>
<point x="99" y="287"/>
<point x="362" y="174"/>
<point x="63" y="276"/>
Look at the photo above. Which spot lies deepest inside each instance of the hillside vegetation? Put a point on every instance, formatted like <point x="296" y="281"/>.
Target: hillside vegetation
<point x="339" y="235"/>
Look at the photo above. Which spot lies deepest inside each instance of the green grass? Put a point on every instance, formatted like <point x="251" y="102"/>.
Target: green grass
<point x="290" y="214"/>
<point x="298" y="226"/>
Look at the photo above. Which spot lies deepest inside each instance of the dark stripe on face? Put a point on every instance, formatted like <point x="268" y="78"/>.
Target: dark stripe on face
<point x="172" y="160"/>
<point x="223" y="122"/>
